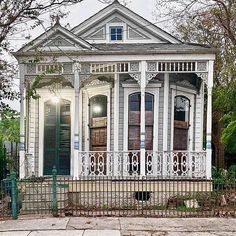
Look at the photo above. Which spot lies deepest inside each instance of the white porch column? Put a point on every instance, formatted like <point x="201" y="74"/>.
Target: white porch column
<point x="165" y="122"/>
<point x="116" y="125"/>
<point x="142" y="118"/>
<point x="77" y="160"/>
<point x="209" y="120"/>
<point x="22" y="122"/>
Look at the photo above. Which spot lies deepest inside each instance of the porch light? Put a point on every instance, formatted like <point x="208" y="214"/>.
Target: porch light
<point x="55" y="99"/>
<point x="97" y="109"/>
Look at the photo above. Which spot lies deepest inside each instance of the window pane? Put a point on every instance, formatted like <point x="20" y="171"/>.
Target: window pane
<point x="148" y="102"/>
<point x="116" y="33"/>
<point x="98" y="105"/>
<point x="113" y="31"/>
<point x="119" y="37"/>
<point x="119" y="30"/>
<point x="181" y="109"/>
<point x="113" y="37"/>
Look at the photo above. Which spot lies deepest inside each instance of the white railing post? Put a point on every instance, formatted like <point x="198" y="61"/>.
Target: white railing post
<point x="125" y="162"/>
<point x="164" y="164"/>
<point x="189" y="163"/>
<point x="142" y="125"/>
<point x="87" y="163"/>
<point x="209" y="120"/>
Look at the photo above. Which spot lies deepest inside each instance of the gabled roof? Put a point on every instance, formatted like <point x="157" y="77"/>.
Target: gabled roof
<point x="117" y="8"/>
<point x="55" y="39"/>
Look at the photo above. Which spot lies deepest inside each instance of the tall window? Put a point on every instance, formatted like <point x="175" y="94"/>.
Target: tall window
<point x="181" y="122"/>
<point x="134" y="121"/>
<point x="98" y="123"/>
<point x="116" y="33"/>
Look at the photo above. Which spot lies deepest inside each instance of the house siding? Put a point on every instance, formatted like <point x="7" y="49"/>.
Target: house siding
<point x="33" y="130"/>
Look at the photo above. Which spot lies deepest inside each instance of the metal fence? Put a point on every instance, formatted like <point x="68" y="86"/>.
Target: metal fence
<point x="118" y="196"/>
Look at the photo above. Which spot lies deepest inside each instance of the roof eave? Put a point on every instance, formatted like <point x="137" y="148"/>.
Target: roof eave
<point x="114" y="52"/>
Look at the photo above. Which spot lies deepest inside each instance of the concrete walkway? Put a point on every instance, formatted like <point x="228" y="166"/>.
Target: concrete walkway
<point x="79" y="226"/>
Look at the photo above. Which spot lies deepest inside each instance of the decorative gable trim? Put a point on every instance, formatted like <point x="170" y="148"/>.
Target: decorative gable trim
<point x="117" y="9"/>
<point x="135" y="34"/>
<point x="58" y="41"/>
<point x="54" y="36"/>
<point x="98" y="34"/>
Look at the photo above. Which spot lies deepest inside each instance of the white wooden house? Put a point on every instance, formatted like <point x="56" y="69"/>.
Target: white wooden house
<point x="117" y="96"/>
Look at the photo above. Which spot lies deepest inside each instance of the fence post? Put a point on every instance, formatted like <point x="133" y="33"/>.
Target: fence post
<point x="13" y="195"/>
<point x="54" y="192"/>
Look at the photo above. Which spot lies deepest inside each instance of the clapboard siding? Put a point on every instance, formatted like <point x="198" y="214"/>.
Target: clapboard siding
<point x="33" y="130"/>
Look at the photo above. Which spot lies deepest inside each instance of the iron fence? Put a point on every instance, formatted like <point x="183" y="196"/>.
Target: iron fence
<point x="118" y="196"/>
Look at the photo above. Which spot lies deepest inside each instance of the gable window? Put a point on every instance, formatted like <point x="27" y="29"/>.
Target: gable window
<point x="116" y="33"/>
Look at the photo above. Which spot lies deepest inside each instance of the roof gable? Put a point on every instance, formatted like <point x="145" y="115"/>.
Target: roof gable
<point x="96" y="28"/>
<point x="57" y="38"/>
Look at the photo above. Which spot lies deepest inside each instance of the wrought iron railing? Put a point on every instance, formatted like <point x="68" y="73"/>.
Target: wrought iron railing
<point x="118" y="196"/>
<point x="127" y="163"/>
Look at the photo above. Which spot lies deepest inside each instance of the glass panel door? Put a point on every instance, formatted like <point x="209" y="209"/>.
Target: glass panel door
<point x="57" y="137"/>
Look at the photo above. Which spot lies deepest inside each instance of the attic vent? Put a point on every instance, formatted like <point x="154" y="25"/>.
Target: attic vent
<point x="53" y="69"/>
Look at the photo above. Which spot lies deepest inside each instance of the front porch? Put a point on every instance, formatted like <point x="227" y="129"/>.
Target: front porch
<point x="142" y="118"/>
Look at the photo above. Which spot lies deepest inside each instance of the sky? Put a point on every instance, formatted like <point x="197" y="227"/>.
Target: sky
<point x="77" y="14"/>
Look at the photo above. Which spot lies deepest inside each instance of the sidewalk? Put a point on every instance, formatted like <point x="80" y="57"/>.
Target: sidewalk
<point x="81" y="226"/>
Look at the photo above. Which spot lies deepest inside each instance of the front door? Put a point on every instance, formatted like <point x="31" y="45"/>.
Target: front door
<point x="57" y="137"/>
<point x="98" y="133"/>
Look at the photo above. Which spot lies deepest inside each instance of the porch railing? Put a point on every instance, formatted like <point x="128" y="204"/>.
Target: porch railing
<point x="127" y="163"/>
